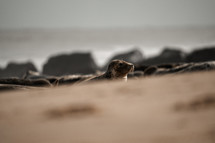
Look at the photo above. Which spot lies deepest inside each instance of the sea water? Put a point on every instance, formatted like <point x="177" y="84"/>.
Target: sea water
<point x="37" y="45"/>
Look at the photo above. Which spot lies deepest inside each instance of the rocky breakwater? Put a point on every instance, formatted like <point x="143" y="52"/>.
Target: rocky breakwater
<point x="168" y="55"/>
<point x="134" y="56"/>
<point x="202" y="55"/>
<point x="16" y="69"/>
<point x="66" y="64"/>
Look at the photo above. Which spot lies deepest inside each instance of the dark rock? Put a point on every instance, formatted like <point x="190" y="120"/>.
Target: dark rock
<point x="169" y="66"/>
<point x="205" y="66"/>
<point x="71" y="79"/>
<point x="134" y="56"/>
<point x="31" y="75"/>
<point x="150" y="70"/>
<point x="16" y="70"/>
<point x="1" y="71"/>
<point x="167" y="56"/>
<point x="55" y="80"/>
<point x="136" y="74"/>
<point x="140" y="67"/>
<point x="202" y="55"/>
<point x="164" y="66"/>
<point x="76" y="63"/>
<point x="173" y="70"/>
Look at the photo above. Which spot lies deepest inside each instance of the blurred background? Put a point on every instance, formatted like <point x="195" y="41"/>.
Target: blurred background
<point x="34" y="30"/>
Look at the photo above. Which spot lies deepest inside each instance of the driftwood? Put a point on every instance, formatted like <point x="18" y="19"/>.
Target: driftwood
<point x="180" y="68"/>
<point x="7" y="87"/>
<point x="25" y="82"/>
<point x="34" y="80"/>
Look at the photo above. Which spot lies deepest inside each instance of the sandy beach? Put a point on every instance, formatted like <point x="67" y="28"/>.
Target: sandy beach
<point x="125" y="71"/>
<point x="163" y="109"/>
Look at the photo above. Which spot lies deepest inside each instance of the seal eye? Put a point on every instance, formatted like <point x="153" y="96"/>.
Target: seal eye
<point x="120" y="64"/>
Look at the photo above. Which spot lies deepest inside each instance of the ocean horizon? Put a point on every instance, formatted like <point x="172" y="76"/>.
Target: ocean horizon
<point x="37" y="45"/>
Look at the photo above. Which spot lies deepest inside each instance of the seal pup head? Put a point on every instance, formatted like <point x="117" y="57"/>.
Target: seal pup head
<point x="118" y="69"/>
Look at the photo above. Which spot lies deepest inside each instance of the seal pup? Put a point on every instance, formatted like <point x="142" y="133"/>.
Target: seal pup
<point x="117" y="69"/>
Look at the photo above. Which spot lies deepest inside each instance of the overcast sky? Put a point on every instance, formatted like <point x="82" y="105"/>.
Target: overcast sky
<point x="105" y="13"/>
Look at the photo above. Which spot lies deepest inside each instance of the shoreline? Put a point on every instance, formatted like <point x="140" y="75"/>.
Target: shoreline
<point x="38" y="45"/>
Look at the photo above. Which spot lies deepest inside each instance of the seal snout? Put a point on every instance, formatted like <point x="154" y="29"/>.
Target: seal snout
<point x="131" y="67"/>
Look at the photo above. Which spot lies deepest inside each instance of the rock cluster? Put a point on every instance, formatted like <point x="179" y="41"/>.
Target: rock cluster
<point x="84" y="64"/>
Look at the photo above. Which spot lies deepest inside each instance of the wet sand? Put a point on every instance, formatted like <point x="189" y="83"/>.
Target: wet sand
<point x="173" y="108"/>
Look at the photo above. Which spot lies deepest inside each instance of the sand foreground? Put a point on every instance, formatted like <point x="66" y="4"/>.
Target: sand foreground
<point x="167" y="109"/>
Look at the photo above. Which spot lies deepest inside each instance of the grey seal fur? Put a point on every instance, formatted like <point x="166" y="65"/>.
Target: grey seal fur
<point x="117" y="69"/>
